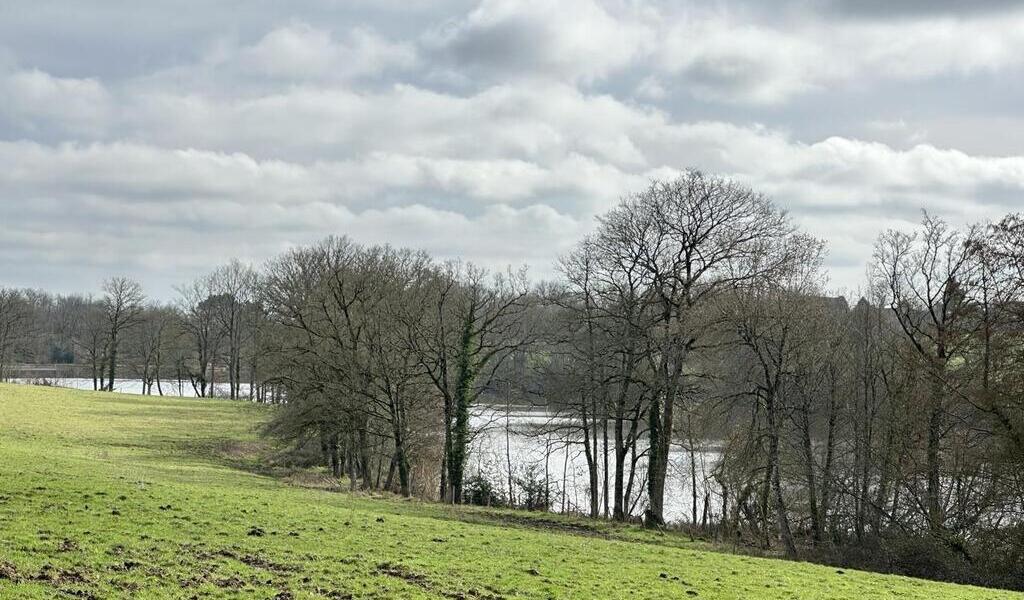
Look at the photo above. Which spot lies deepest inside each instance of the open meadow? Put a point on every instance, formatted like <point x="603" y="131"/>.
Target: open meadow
<point x="106" y="496"/>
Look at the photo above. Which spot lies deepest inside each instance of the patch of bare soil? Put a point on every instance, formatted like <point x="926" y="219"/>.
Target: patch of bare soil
<point x="243" y="450"/>
<point x="232" y="582"/>
<point x="67" y="545"/>
<point x="55" y="576"/>
<point x="403" y="572"/>
<point x="543" y="523"/>
<point x="257" y="561"/>
<point x="9" y="572"/>
<point x="418" y="579"/>
<point x="312" y="480"/>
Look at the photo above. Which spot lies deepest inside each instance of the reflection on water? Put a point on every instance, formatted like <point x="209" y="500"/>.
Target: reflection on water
<point x="134" y="386"/>
<point x="552" y="444"/>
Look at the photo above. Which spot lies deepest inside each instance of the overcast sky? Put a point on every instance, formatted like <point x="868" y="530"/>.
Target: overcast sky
<point x="158" y="139"/>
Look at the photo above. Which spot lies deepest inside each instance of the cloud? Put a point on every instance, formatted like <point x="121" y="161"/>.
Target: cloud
<point x="720" y="57"/>
<point x="494" y="130"/>
<point x="721" y="60"/>
<point x="496" y="210"/>
<point x="34" y="101"/>
<point x="887" y="9"/>
<point x="300" y="51"/>
<point x="574" y="40"/>
<point x="162" y="214"/>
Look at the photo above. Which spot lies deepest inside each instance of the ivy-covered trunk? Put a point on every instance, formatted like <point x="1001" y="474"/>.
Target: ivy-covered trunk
<point x="465" y="377"/>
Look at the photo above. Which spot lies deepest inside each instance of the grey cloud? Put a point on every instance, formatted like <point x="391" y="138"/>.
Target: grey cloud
<point x="904" y="8"/>
<point x="571" y="40"/>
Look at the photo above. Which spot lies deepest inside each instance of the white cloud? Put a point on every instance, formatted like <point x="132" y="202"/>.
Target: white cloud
<point x="493" y="209"/>
<point x="300" y="51"/>
<point x="37" y="100"/>
<point x="722" y="57"/>
<point x="495" y="132"/>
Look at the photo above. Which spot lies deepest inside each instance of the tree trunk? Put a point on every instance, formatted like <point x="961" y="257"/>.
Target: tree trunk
<point x="604" y="436"/>
<point x="655" y="483"/>
<point x="445" y="493"/>
<point x="782" y="517"/>
<point x="618" y="513"/>
<point x="463" y="392"/>
<point x="113" y="360"/>
<point x="933" y="501"/>
<point x="660" y="423"/>
<point x="812" y="487"/>
<point x="332" y="447"/>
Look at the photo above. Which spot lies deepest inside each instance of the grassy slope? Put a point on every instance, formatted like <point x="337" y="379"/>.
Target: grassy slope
<point x="105" y="495"/>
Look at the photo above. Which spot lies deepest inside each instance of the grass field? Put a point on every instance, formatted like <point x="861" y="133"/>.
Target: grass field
<point x="107" y="496"/>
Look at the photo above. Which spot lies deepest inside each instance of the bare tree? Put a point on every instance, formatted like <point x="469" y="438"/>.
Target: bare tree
<point x="771" y="321"/>
<point x="147" y="344"/>
<point x="15" y="323"/>
<point x="122" y="305"/>
<point x="930" y="278"/>
<point x="234" y="293"/>
<point x="198" y="312"/>
<point x="476" y="322"/>
<point x="691" y="238"/>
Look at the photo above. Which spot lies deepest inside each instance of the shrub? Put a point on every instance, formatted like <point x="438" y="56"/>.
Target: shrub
<point x="479" y="490"/>
<point x="534" y="490"/>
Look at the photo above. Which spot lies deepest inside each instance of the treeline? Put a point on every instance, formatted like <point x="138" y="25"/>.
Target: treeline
<point x="693" y="322"/>
<point x="211" y="334"/>
<point x="889" y="435"/>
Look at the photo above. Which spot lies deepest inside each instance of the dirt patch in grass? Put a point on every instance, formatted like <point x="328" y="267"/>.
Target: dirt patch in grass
<point x="9" y="572"/>
<point x="49" y="574"/>
<point x="404" y="573"/>
<point x="243" y="450"/>
<point x="312" y="480"/>
<point x="418" y="579"/>
<point x="258" y="562"/>
<point x="546" y="524"/>
<point x="232" y="582"/>
<point x="69" y="582"/>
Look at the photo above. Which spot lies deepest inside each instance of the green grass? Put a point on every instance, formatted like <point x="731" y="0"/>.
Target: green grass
<point x="107" y="496"/>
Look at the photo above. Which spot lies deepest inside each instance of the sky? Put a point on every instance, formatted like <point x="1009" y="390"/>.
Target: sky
<point x="159" y="139"/>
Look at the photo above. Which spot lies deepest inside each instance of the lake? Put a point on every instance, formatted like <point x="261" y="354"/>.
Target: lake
<point x="531" y="436"/>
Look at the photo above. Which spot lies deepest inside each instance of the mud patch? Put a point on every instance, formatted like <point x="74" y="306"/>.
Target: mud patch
<point x="253" y="560"/>
<point x="232" y="582"/>
<point x="402" y="572"/>
<point x="239" y="450"/>
<point x="9" y="572"/>
<point x="49" y="574"/>
<point x="545" y="524"/>
<point x="422" y="581"/>
<point x="67" y="545"/>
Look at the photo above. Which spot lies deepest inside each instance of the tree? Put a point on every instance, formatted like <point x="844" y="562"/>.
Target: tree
<point x="90" y="333"/>
<point x="233" y="286"/>
<point x="15" y="323"/>
<point x="692" y="238"/>
<point x="475" y="324"/>
<point x="597" y="345"/>
<point x="197" y="309"/>
<point x="122" y="306"/>
<point x="147" y="344"/>
<point x="930" y="277"/>
<point x="1001" y="257"/>
<point x="770" y="317"/>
